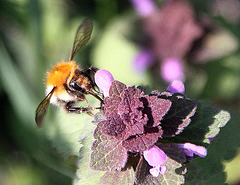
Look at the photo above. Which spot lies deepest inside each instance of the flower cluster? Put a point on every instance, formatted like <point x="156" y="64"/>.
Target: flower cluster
<point x="134" y="122"/>
<point x="133" y="117"/>
<point x="172" y="30"/>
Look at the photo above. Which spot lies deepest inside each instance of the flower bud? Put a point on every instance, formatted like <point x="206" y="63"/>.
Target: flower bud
<point x="104" y="79"/>
<point x="144" y="7"/>
<point x="176" y="87"/>
<point x="190" y="149"/>
<point x="156" y="170"/>
<point x="144" y="60"/>
<point x="172" y="69"/>
<point x="155" y="157"/>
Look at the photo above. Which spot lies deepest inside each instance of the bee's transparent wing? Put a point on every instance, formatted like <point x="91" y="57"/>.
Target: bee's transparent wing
<point x="82" y="36"/>
<point x="42" y="108"/>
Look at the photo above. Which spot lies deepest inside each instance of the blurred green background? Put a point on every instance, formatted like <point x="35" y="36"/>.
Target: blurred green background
<point x="36" y="34"/>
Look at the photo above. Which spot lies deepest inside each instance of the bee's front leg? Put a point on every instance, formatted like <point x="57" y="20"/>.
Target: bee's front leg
<point x="78" y="110"/>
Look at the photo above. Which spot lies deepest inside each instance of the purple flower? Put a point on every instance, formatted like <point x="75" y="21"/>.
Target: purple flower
<point x="136" y="120"/>
<point x="176" y="87"/>
<point x="171" y="31"/>
<point x="155" y="158"/>
<point x="144" y="7"/>
<point x="190" y="149"/>
<point x="133" y="117"/>
<point x="104" y="79"/>
<point x="144" y="60"/>
<point x="172" y="69"/>
<point x="156" y="170"/>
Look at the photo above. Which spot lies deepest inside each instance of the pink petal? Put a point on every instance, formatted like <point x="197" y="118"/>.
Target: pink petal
<point x="162" y="169"/>
<point x="172" y="69"/>
<point x="176" y="87"/>
<point x="190" y="149"/>
<point x="104" y="79"/>
<point x="144" y="7"/>
<point x="154" y="156"/>
<point x="154" y="172"/>
<point x="144" y="60"/>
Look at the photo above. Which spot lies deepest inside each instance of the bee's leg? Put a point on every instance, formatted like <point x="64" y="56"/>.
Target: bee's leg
<point x="95" y="95"/>
<point x="78" y="110"/>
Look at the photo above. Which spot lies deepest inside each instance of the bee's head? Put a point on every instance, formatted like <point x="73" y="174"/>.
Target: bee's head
<point x="81" y="81"/>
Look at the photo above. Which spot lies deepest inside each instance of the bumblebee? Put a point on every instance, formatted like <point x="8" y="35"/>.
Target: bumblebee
<point x="67" y="83"/>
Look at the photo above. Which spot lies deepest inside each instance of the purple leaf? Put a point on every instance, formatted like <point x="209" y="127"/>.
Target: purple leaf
<point x="139" y="143"/>
<point x="155" y="108"/>
<point x="179" y="115"/>
<point x="108" y="154"/>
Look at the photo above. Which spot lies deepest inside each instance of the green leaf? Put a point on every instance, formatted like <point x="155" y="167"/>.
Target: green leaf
<point x="124" y="177"/>
<point x="179" y="115"/>
<point x="108" y="152"/>
<point x="205" y="125"/>
<point x="222" y="148"/>
<point x="174" y="169"/>
<point x="17" y="88"/>
<point x="206" y="171"/>
<point x="220" y="120"/>
<point x="223" y="78"/>
<point x="67" y="130"/>
<point x="87" y="176"/>
<point x="232" y="27"/>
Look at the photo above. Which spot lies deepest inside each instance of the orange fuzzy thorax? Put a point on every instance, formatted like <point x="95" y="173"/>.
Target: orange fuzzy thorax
<point x="59" y="75"/>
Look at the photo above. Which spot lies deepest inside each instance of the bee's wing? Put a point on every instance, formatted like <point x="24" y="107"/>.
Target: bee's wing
<point x="82" y="36"/>
<point x="42" y="108"/>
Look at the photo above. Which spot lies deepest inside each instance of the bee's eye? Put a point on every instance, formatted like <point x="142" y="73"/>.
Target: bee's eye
<point x="75" y="86"/>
